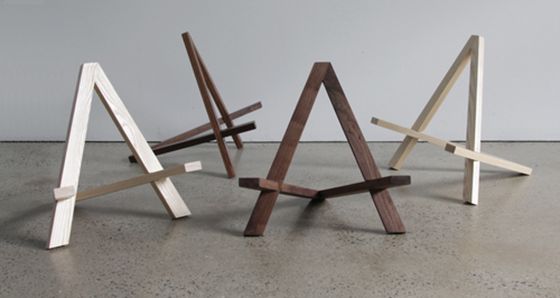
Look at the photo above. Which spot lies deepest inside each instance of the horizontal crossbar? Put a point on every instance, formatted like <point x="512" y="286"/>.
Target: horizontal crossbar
<point x="298" y="191"/>
<point x="455" y="149"/>
<point x="207" y="126"/>
<point x="66" y="192"/>
<point x="283" y="188"/>
<point x="410" y="132"/>
<point x="226" y="132"/>
<point x="373" y="185"/>
<point x="488" y="159"/>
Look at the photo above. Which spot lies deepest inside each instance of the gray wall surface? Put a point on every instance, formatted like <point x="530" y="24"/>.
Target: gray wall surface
<point x="389" y="56"/>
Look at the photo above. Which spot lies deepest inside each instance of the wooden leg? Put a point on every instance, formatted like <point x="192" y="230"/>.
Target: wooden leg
<point x="203" y="88"/>
<point x="474" y="117"/>
<point x="63" y="212"/>
<point x="217" y="98"/>
<point x="279" y="168"/>
<point x="165" y="189"/>
<point x="382" y="200"/>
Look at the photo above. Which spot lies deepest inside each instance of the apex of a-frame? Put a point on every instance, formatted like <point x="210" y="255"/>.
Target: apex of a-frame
<point x="323" y="64"/>
<point x="91" y="64"/>
<point x="475" y="42"/>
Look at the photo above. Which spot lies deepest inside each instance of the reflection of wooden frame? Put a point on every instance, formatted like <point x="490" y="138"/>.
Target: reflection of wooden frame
<point x="473" y="51"/>
<point x="208" y="90"/>
<point x="93" y="78"/>
<point x="272" y="186"/>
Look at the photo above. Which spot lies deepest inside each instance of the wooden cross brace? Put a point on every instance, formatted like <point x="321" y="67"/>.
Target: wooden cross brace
<point x="323" y="73"/>
<point x="473" y="51"/>
<point x="208" y="92"/>
<point x="63" y="193"/>
<point x="374" y="185"/>
<point x="455" y="148"/>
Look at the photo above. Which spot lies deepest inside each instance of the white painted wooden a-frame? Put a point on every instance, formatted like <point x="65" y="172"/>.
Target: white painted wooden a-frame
<point x="93" y="78"/>
<point x="473" y="51"/>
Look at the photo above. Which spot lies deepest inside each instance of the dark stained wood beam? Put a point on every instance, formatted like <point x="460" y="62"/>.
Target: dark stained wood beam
<point x="368" y="185"/>
<point x="207" y="126"/>
<point x="201" y="139"/>
<point x="283" y="188"/>
<point x="303" y="192"/>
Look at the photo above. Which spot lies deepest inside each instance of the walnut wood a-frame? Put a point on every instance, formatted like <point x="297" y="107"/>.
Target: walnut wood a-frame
<point x="208" y="90"/>
<point x="93" y="78"/>
<point x="473" y="51"/>
<point x="272" y="186"/>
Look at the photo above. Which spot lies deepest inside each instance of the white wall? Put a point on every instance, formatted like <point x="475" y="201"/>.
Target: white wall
<point x="389" y="55"/>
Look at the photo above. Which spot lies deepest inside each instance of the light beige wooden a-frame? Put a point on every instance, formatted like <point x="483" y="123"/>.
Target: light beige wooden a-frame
<point x="93" y="78"/>
<point x="473" y="51"/>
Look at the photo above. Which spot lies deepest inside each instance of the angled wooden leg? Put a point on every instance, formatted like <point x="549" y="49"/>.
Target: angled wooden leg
<point x="382" y="200"/>
<point x="203" y="88"/>
<point x="165" y="189"/>
<point x="63" y="212"/>
<point x="279" y="168"/>
<point x="433" y="105"/>
<point x="217" y="98"/>
<point x="474" y="119"/>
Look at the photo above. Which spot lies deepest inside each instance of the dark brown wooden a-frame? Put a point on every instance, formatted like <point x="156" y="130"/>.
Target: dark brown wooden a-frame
<point x="272" y="186"/>
<point x="208" y="91"/>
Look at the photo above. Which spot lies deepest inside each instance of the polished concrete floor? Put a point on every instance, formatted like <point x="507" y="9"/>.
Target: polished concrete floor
<point x="124" y="244"/>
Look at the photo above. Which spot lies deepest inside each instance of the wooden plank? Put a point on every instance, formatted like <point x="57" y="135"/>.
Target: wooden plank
<point x="381" y="199"/>
<point x="409" y="132"/>
<point x="283" y="188"/>
<point x="279" y="168"/>
<point x="65" y="192"/>
<point x="474" y="122"/>
<point x="203" y="88"/>
<point x="201" y="139"/>
<point x="215" y="95"/>
<point x="488" y="159"/>
<point x="454" y="148"/>
<point x="303" y="192"/>
<point x="207" y="126"/>
<point x="433" y="104"/>
<point x="165" y="189"/>
<point x="63" y="211"/>
<point x="128" y="183"/>
<point x="368" y="185"/>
